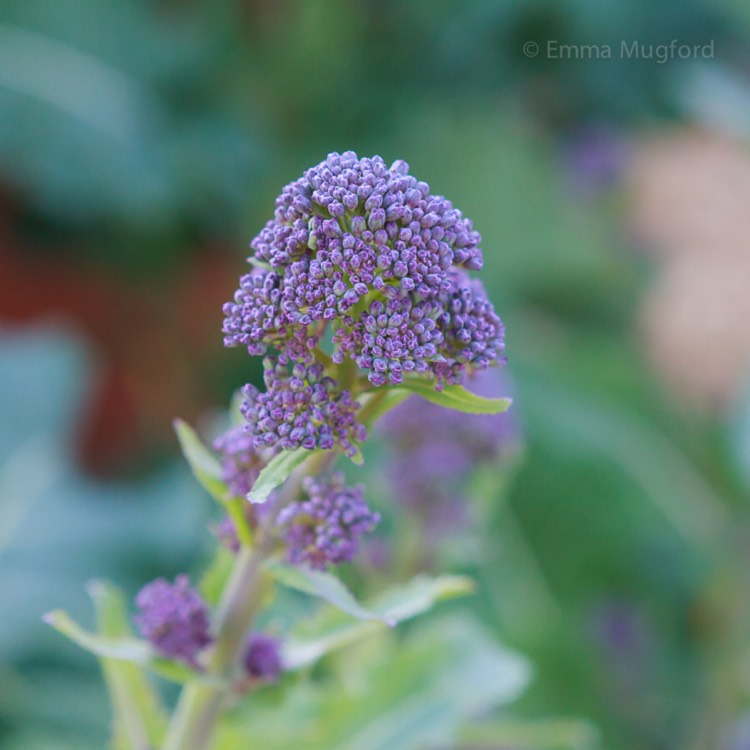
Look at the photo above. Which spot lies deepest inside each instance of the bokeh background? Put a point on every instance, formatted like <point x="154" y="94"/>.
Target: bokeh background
<point x="141" y="145"/>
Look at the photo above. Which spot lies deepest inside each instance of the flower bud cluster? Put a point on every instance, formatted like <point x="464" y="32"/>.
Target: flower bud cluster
<point x="241" y="460"/>
<point x="325" y="528"/>
<point x="372" y="250"/>
<point x="304" y="408"/>
<point x="174" y="618"/>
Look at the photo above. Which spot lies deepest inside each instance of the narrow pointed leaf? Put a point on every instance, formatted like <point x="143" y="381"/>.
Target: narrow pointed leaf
<point x="124" y="648"/>
<point x="324" y="585"/>
<point x="457" y="397"/>
<point x="275" y="473"/>
<point x="204" y="465"/>
<point x="140" y="719"/>
<point x="332" y="629"/>
<point x="121" y="648"/>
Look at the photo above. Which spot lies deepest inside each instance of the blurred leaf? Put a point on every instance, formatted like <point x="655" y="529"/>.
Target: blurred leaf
<point x="457" y="397"/>
<point x="85" y="527"/>
<point x="330" y="629"/>
<point x="740" y="435"/>
<point x="416" y="693"/>
<point x="276" y="472"/>
<point x="578" y="421"/>
<point x="446" y="672"/>
<point x="204" y="465"/>
<point x="122" y="648"/>
<point x="324" y="585"/>
<point x="140" y="720"/>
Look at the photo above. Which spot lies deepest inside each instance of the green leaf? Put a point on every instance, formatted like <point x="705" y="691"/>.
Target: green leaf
<point x="419" y="595"/>
<point x="324" y="585"/>
<point x="121" y="648"/>
<point x="124" y="648"/>
<point x="457" y="397"/>
<point x="411" y="692"/>
<point x="445" y="673"/>
<point x="204" y="465"/>
<point x="331" y="629"/>
<point x="276" y="472"/>
<point x="140" y="719"/>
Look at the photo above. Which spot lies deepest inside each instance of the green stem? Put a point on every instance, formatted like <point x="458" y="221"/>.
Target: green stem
<point x="200" y="703"/>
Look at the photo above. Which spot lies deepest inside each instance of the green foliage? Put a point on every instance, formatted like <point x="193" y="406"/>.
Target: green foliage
<point x="139" y="718"/>
<point x="204" y="465"/>
<point x="324" y="585"/>
<point x="458" y="398"/>
<point x="207" y="470"/>
<point x="330" y="629"/>
<point x="546" y="734"/>
<point x="277" y="471"/>
<point x="58" y="528"/>
<point x="411" y="694"/>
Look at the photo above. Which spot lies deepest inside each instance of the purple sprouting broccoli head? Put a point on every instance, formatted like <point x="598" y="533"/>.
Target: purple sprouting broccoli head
<point x="262" y="657"/>
<point x="364" y="258"/>
<point x="174" y="618"/>
<point x="325" y="527"/>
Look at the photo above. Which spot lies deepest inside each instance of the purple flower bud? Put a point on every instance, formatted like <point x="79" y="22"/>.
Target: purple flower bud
<point x="241" y="461"/>
<point x="325" y="528"/>
<point x="309" y="411"/>
<point x="262" y="658"/>
<point x="432" y="450"/>
<point x="174" y="618"/>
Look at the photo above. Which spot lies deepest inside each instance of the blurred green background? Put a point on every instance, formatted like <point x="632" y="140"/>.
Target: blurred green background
<point x="142" y="143"/>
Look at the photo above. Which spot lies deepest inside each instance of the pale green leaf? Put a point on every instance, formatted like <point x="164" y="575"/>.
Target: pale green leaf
<point x="204" y="465"/>
<point x="332" y="629"/>
<point x="121" y="648"/>
<point x="447" y="672"/>
<point x="140" y="720"/>
<point x="457" y="397"/>
<point x="324" y="585"/>
<point x="124" y="648"/>
<point x="276" y="472"/>
<point x="411" y="693"/>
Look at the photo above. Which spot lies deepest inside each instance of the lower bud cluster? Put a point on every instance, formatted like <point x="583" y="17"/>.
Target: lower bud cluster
<point x="175" y="619"/>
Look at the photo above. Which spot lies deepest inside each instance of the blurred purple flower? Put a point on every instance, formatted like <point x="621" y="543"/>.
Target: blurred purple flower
<point x="240" y="458"/>
<point x="174" y="618"/>
<point x="325" y="528"/>
<point x="738" y="735"/>
<point x="596" y="156"/>
<point x="262" y="657"/>
<point x="432" y="450"/>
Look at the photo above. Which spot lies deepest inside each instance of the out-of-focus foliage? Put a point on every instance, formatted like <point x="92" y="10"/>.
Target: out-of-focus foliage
<point x="60" y="529"/>
<point x="136" y="134"/>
